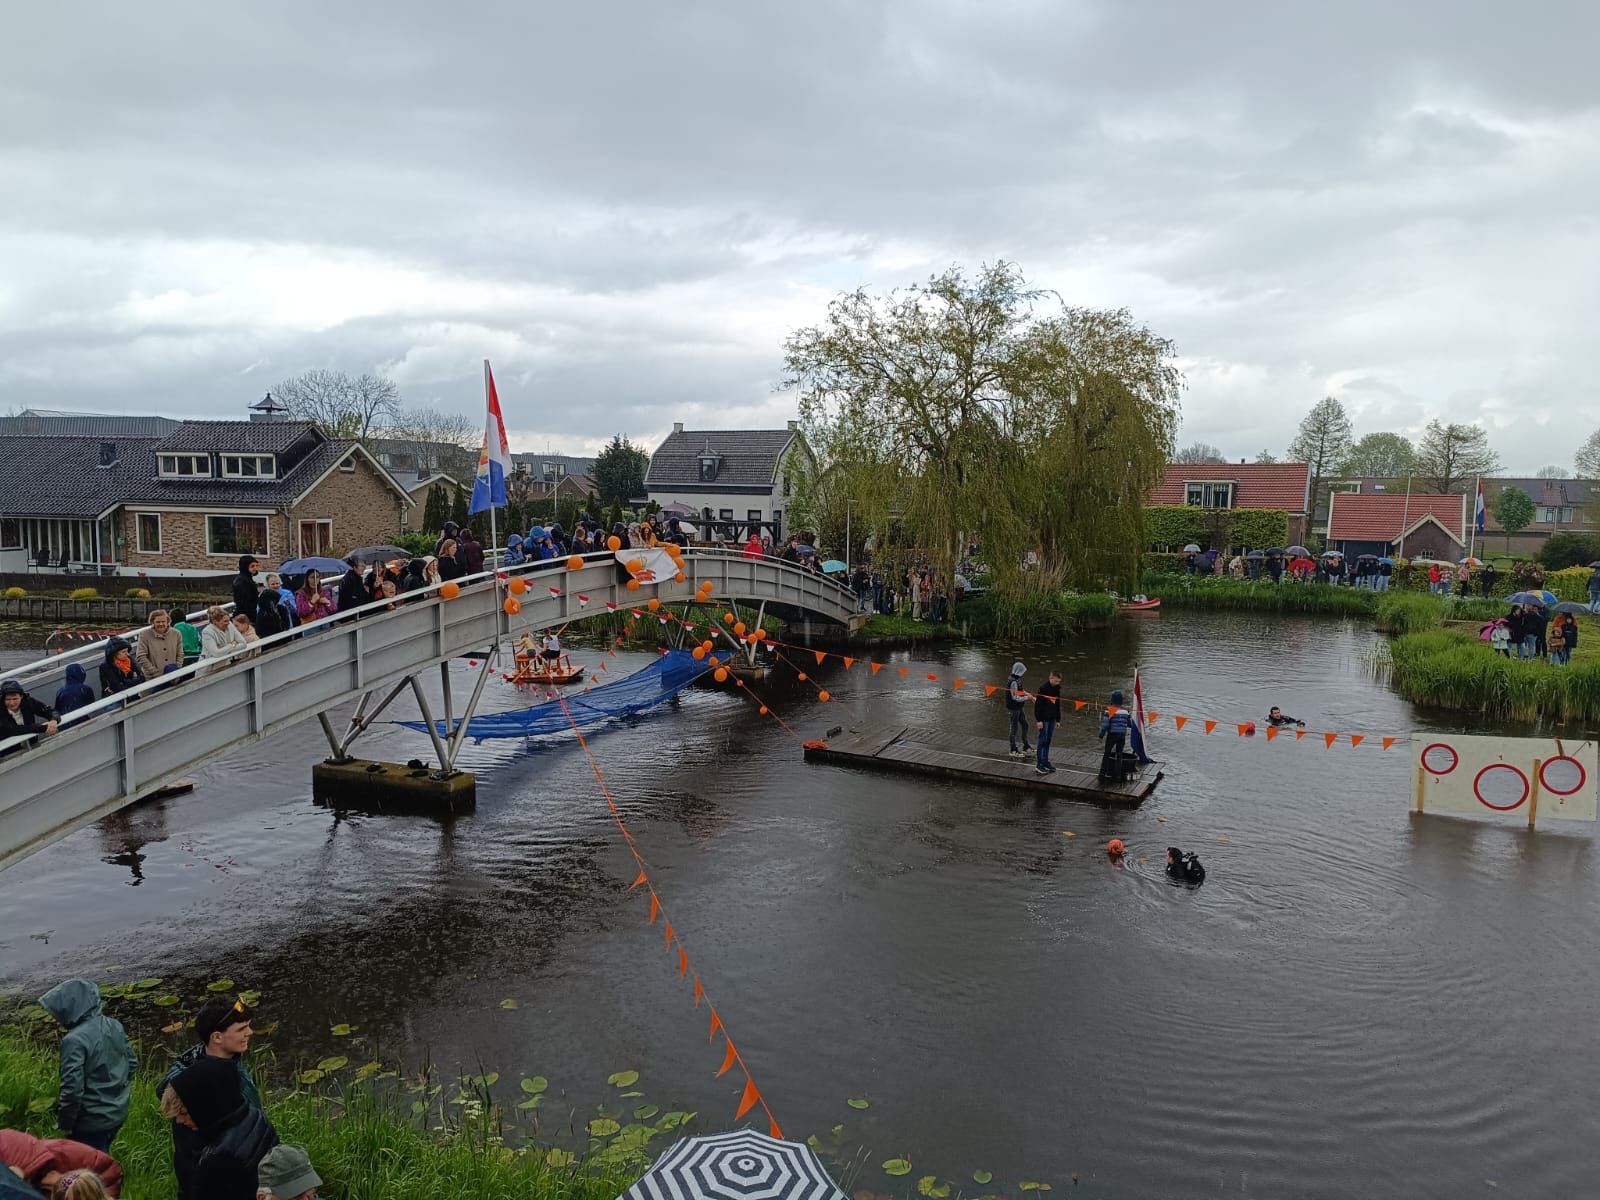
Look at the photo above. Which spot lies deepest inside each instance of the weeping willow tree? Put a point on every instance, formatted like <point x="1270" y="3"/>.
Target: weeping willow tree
<point x="987" y="409"/>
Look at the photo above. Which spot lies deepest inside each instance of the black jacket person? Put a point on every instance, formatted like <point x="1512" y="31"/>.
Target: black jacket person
<point x="232" y="1135"/>
<point x="245" y="591"/>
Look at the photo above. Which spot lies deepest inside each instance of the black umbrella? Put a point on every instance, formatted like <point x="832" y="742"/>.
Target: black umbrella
<point x="1276" y="550"/>
<point x="372" y="554"/>
<point x="742" y="1165"/>
<point x="1255" y="554"/>
<point x="1300" y="550"/>
<point x="1570" y="606"/>
<point x="1595" y="566"/>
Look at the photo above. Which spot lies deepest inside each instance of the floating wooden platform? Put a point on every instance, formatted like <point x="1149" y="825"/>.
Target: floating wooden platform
<point x="982" y="760"/>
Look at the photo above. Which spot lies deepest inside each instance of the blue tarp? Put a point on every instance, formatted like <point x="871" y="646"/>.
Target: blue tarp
<point x="661" y="680"/>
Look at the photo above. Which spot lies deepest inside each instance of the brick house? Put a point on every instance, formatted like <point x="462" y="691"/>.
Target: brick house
<point x="1414" y="526"/>
<point x="191" y="502"/>
<point x="734" y="479"/>
<point x="1282" y="486"/>
<point x="1559" y="506"/>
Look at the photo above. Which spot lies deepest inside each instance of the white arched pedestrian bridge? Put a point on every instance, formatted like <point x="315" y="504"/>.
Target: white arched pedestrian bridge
<point x="112" y="753"/>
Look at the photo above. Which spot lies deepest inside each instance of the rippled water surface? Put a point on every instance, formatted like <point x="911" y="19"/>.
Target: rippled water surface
<point x="1358" y="1001"/>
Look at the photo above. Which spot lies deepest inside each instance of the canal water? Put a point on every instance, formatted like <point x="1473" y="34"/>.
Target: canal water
<point x="1358" y="1001"/>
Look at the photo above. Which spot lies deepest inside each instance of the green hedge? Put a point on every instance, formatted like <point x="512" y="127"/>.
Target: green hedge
<point x="1177" y="525"/>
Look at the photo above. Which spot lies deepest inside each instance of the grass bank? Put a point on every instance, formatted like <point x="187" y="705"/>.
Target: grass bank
<point x="1182" y="591"/>
<point x="1447" y="669"/>
<point x="1038" y="617"/>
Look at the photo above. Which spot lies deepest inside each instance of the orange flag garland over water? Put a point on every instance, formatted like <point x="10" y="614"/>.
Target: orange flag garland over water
<point x="728" y="1059"/>
<point x="1330" y="739"/>
<point x="748" y="1100"/>
<point x="1210" y="725"/>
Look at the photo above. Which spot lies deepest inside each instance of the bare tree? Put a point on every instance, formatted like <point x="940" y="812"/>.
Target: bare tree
<point x="436" y="436"/>
<point x="1449" y="456"/>
<point x="1199" y="452"/>
<point x="342" y="406"/>
<point x="1550" y="472"/>
<point x="1586" y="463"/>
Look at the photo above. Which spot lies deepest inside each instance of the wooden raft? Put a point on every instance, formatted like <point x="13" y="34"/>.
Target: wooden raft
<point x="982" y="760"/>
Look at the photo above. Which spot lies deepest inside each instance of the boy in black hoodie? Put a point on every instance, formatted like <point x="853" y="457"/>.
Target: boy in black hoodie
<point x="245" y="591"/>
<point x="232" y="1135"/>
<point x="1047" y="712"/>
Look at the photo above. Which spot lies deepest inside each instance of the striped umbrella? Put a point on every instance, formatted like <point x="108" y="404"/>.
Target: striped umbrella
<point x="742" y="1165"/>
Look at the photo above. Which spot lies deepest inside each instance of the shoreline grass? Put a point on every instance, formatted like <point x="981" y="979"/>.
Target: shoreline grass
<point x="1182" y="591"/>
<point x="1036" y="617"/>
<point x="1455" y="670"/>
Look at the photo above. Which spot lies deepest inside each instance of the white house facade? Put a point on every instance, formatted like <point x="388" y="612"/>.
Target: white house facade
<point x="723" y="482"/>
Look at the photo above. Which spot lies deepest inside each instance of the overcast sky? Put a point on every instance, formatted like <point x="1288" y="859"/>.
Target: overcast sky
<point x="627" y="205"/>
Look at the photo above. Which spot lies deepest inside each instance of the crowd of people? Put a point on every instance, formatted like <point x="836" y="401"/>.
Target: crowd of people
<point x="1530" y="631"/>
<point x="915" y="591"/>
<point x="223" y="1145"/>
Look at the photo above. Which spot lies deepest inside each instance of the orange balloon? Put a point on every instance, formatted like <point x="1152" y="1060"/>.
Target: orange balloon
<point x="635" y="564"/>
<point x="823" y="696"/>
<point x="678" y="578"/>
<point x="518" y="586"/>
<point x="633" y="585"/>
<point x="450" y="590"/>
<point x="720" y="674"/>
<point x="575" y="562"/>
<point x="738" y="683"/>
<point x="761" y="635"/>
<point x="739" y="628"/>
<point x="802" y="676"/>
<point x="763" y="710"/>
<point x="752" y="639"/>
<point x="613" y="543"/>
<point x="654" y="604"/>
<point x="706" y="645"/>
<point x="699" y="652"/>
<point x="727" y="618"/>
<point x="513" y="606"/>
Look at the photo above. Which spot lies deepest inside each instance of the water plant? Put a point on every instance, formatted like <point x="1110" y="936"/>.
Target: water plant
<point x="1449" y="669"/>
<point x="1183" y="591"/>
<point x="1035" y="616"/>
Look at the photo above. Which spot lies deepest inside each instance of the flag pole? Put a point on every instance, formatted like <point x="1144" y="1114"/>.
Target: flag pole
<point x="494" y="535"/>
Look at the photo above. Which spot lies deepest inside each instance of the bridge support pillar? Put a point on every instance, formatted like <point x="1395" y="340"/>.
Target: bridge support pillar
<point x="391" y="787"/>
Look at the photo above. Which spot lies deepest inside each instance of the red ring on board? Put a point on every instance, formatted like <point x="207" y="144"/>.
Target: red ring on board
<point x="1500" y="766"/>
<point x="1455" y="759"/>
<point x="1583" y="776"/>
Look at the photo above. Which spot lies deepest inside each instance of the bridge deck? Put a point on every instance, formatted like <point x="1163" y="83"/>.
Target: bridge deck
<point x="981" y="760"/>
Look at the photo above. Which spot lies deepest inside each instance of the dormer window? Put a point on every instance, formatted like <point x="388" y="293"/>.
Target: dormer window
<point x="184" y="466"/>
<point x="710" y="461"/>
<point x="248" y="466"/>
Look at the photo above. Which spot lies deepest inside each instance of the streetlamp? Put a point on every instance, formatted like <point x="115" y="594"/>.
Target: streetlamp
<point x="847" y="505"/>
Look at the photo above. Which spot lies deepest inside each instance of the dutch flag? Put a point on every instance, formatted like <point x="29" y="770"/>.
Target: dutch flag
<point x="1479" y="510"/>
<point x="494" y="459"/>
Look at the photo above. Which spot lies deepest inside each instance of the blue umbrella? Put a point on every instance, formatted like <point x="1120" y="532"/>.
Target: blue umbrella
<point x="1540" y="598"/>
<point x="322" y="566"/>
<point x="1390" y="561"/>
<point x="832" y="565"/>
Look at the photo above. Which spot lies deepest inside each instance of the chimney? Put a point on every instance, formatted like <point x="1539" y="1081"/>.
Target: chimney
<point x="1242" y="461"/>
<point x="677" y="427"/>
<point x="108" y="454"/>
<point x="794" y="425"/>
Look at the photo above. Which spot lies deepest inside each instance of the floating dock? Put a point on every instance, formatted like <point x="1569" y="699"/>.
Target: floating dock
<point x="981" y="760"/>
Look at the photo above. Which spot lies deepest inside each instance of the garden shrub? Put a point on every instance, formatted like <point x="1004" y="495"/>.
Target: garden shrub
<point x="83" y="593"/>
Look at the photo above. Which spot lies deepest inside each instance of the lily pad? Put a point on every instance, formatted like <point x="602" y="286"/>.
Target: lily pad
<point x="509" y="1003"/>
<point x="310" y="1076"/>
<point x="857" y="1102"/>
<point x="603" y="1127"/>
<point x="484" y="1081"/>
<point x="418" y="1107"/>
<point x="558" y="1157"/>
<point x="535" y="1085"/>
<point x="623" y="1079"/>
<point x="532" y="1102"/>
<point x="815" y="1143"/>
<point x="897" y="1166"/>
<point x="219" y="985"/>
<point x="645" y="1111"/>
<point x="343" y="1030"/>
<point x="676" y="1120"/>
<point x="981" y="1176"/>
<point x="631" y="1095"/>
<point x="250" y="997"/>
<point x="929" y="1185"/>
<point x="1029" y="1185"/>
<point x="165" y="1001"/>
<point x="333" y="1063"/>
<point x="368" y="1070"/>
<point x="146" y="983"/>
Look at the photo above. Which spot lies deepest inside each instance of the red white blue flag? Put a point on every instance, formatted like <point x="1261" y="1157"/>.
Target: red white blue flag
<point x="494" y="459"/>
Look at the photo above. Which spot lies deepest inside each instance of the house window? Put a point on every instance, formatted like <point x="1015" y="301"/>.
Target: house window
<point x="184" y="466"/>
<point x="1553" y="514"/>
<point x="247" y="466"/>
<point x="1208" y="495"/>
<point x="147" y="533"/>
<point x="554" y="470"/>
<point x="236" y="535"/>
<point x="708" y="470"/>
<point x="753" y="515"/>
<point x="725" y="514"/>
<point x="10" y="533"/>
<point x="348" y="466"/>
<point x="316" y="538"/>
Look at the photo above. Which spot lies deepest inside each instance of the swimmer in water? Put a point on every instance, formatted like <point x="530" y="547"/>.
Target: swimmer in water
<point x="1185" y="868"/>
<point x="1278" y="717"/>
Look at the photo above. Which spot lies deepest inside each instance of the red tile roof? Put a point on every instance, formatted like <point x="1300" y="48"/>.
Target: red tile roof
<point x="1256" y="485"/>
<point x="1373" y="518"/>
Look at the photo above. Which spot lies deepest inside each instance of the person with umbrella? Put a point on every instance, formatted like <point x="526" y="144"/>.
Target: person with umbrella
<point x="1190" y="561"/>
<point x="1254" y="558"/>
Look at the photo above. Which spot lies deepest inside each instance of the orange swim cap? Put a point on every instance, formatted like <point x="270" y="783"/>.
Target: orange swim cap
<point x="1114" y="847"/>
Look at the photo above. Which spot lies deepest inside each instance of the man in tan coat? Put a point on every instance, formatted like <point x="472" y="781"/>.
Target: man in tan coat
<point x="160" y="648"/>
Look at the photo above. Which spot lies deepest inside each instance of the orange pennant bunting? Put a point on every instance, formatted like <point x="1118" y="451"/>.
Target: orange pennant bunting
<point x="876" y="667"/>
<point x="989" y="689"/>
<point x="748" y="1101"/>
<point x="935" y="678"/>
<point x="683" y="962"/>
<point x="1298" y="734"/>
<point x="729" y="1057"/>
<point x="716" y="1024"/>
<point x="1387" y="742"/>
<point x="641" y="881"/>
<point x="655" y="909"/>
<point x="1112" y="710"/>
<point x="669" y="935"/>
<point x="1244" y="729"/>
<point x="959" y="683"/>
<point x="1180" y="722"/>
<point x="1210" y="725"/>
<point x="1329" y="739"/>
<point x="1272" y="732"/>
<point x="821" y="654"/>
<point x="848" y="662"/>
<point x="1078" y="704"/>
<point x="1357" y="738"/>
<point x="602" y="666"/>
<point x="1150" y="717"/>
<point x="772" y="1123"/>
<point x="905" y="671"/>
<point x="699" y="991"/>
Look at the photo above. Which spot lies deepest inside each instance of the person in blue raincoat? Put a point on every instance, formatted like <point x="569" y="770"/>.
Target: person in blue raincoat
<point x="514" y="554"/>
<point x="97" y="1065"/>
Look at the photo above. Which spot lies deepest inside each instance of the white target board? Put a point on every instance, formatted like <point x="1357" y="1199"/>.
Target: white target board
<point x="1545" y="779"/>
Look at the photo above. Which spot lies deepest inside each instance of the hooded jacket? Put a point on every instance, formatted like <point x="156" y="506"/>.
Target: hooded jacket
<point x="514" y="555"/>
<point x="97" y="1061"/>
<point x="245" y="591"/>
<point x="36" y="1157"/>
<point x="156" y="652"/>
<point x="31" y="718"/>
<point x="75" y="693"/>
<point x="231" y="1135"/>
<point x="112" y="678"/>
<point x="470" y="551"/>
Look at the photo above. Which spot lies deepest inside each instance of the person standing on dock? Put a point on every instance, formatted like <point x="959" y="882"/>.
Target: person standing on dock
<point x="1114" y="727"/>
<point x="1017" y="708"/>
<point x="1047" y="712"/>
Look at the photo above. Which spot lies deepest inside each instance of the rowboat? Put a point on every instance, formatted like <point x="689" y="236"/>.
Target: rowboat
<point x="540" y="672"/>
<point x="1139" y="604"/>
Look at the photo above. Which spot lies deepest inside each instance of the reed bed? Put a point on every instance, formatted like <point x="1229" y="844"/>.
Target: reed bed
<point x="1446" y="669"/>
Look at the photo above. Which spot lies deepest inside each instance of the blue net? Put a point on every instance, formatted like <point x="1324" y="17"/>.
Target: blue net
<point x="661" y="680"/>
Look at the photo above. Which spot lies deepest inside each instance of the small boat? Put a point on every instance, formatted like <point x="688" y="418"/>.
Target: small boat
<point x="539" y="672"/>
<point x="1140" y="604"/>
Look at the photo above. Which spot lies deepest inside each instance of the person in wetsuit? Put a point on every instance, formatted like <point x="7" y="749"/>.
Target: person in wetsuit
<point x="1185" y="868"/>
<point x="1278" y="717"/>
